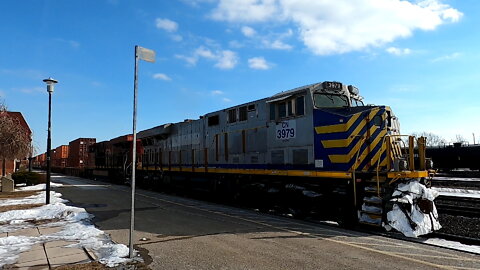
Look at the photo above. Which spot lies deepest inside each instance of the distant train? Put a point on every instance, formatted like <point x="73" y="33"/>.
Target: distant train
<point x="456" y="156"/>
<point x="316" y="148"/>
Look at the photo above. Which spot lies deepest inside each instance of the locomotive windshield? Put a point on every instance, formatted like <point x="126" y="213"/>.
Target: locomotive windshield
<point x="330" y="101"/>
<point x="356" y="102"/>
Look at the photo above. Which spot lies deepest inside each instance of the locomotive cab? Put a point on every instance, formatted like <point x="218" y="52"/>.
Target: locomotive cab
<point x="364" y="141"/>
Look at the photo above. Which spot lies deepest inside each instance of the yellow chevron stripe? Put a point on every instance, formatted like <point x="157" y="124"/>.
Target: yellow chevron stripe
<point x="338" y="127"/>
<point x="373" y="162"/>
<point x="383" y="163"/>
<point x="362" y="156"/>
<point x="346" y="158"/>
<point x="372" y="145"/>
<point x="346" y="142"/>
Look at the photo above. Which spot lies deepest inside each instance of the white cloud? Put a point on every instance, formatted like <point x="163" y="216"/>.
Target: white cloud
<point x="204" y="52"/>
<point x="235" y="44"/>
<point x="216" y="93"/>
<point x="248" y="31"/>
<point x="31" y="90"/>
<point x="340" y="26"/>
<point x="166" y="24"/>
<point x="161" y="76"/>
<point x="276" y="44"/>
<point x="177" y="38"/>
<point x="245" y="10"/>
<point x="191" y="60"/>
<point x="227" y="60"/>
<point x="447" y="57"/>
<point x="258" y="63"/>
<point x="226" y="100"/>
<point x="398" y="51"/>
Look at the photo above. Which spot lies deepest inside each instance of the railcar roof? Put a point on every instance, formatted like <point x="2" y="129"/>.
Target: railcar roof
<point x="292" y="91"/>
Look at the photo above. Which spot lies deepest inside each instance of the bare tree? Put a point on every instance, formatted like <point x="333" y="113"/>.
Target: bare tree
<point x="15" y="140"/>
<point x="460" y="139"/>
<point x="432" y="139"/>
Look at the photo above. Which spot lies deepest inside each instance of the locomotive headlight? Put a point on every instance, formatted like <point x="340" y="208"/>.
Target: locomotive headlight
<point x="400" y="164"/>
<point x="353" y="90"/>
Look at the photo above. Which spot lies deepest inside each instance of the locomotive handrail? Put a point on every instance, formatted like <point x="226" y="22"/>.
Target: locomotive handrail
<point x="388" y="146"/>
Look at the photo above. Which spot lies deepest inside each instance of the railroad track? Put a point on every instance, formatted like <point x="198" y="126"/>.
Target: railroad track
<point x="457" y="184"/>
<point x="458" y="206"/>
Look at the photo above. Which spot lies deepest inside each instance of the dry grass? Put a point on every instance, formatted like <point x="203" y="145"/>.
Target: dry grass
<point x="17" y="194"/>
<point x="6" y="208"/>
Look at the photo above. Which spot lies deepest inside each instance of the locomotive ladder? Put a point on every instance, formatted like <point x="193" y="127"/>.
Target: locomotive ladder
<point x="374" y="187"/>
<point x="370" y="189"/>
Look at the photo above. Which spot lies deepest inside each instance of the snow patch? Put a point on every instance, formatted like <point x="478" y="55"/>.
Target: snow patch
<point x="458" y="192"/>
<point x="74" y="221"/>
<point x="406" y="215"/>
<point x="55" y="197"/>
<point x="452" y="244"/>
<point x="40" y="186"/>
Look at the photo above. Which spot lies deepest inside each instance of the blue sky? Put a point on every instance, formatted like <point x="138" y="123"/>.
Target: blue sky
<point x="419" y="57"/>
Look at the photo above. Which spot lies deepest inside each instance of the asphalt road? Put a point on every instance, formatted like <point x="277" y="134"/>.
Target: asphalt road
<point x="182" y="233"/>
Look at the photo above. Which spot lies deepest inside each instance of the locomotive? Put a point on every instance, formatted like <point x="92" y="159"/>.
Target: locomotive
<point x="316" y="148"/>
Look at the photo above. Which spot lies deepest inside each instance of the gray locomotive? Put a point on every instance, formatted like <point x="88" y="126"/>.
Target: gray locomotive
<point x="316" y="148"/>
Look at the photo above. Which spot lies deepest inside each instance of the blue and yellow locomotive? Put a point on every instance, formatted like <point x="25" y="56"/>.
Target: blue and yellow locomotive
<point x="316" y="148"/>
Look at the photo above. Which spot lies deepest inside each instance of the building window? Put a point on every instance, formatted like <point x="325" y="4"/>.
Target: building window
<point x="251" y="107"/>
<point x="232" y="116"/>
<point x="242" y="113"/>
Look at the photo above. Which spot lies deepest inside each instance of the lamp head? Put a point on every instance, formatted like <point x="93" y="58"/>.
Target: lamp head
<point x="50" y="84"/>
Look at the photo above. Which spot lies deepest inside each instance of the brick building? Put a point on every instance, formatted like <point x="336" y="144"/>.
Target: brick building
<point x="11" y="165"/>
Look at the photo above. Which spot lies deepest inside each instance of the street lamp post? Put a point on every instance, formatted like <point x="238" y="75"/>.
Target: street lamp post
<point x="50" y="86"/>
<point x="149" y="56"/>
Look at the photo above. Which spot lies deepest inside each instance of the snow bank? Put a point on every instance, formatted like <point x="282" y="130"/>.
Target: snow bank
<point x="74" y="221"/>
<point x="406" y="216"/>
<point x="40" y="186"/>
<point x="452" y="244"/>
<point x="55" y="197"/>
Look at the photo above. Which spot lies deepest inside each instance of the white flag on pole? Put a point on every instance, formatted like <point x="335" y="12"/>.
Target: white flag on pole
<point x="146" y="54"/>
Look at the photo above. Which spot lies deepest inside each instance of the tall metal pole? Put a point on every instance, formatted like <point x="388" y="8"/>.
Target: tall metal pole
<point x="30" y="158"/>
<point x="134" y="154"/>
<point x="49" y="145"/>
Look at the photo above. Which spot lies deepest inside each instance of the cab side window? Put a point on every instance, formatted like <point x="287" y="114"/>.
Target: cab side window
<point x="292" y="107"/>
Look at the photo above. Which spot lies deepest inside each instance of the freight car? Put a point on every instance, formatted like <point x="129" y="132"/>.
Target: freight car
<point x="456" y="156"/>
<point x="316" y="148"/>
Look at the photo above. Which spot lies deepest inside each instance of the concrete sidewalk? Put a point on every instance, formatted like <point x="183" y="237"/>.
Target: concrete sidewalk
<point x="49" y="254"/>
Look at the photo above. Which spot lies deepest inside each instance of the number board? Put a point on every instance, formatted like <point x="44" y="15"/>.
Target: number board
<point x="286" y="130"/>
<point x="332" y="86"/>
